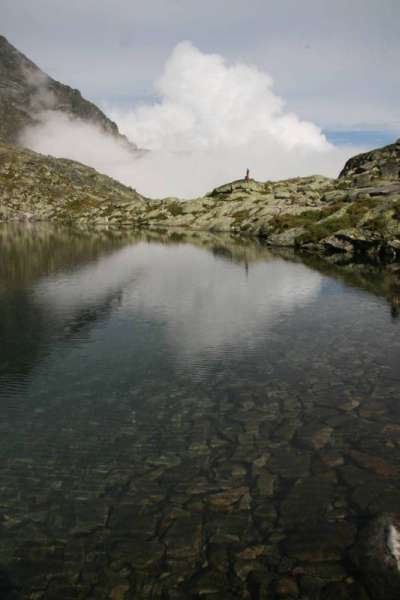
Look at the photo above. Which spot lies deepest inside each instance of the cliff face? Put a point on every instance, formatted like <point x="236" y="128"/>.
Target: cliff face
<point x="356" y="214"/>
<point x="26" y="91"/>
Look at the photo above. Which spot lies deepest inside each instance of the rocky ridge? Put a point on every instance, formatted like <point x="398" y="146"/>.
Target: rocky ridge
<point x="26" y="91"/>
<point x="358" y="213"/>
<point x="37" y="187"/>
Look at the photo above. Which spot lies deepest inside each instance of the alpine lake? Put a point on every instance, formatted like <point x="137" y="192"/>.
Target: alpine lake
<point x="187" y="416"/>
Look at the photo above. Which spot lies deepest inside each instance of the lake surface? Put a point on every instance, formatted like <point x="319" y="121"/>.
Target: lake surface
<point x="191" y="417"/>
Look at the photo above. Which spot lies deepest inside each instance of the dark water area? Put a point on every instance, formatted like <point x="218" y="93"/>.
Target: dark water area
<point x="193" y="417"/>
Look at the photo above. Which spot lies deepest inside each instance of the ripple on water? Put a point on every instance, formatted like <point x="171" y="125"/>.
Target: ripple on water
<point x="176" y="424"/>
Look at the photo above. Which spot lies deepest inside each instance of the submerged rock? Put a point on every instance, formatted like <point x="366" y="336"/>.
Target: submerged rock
<point x="377" y="556"/>
<point x="320" y="542"/>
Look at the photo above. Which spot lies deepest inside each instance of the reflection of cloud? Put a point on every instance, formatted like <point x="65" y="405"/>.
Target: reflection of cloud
<point x="208" y="303"/>
<point x="87" y="287"/>
<point x="205" y="302"/>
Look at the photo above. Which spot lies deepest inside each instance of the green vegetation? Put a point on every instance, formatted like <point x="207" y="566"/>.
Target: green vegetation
<point x="396" y="210"/>
<point x="238" y="198"/>
<point x="322" y="223"/>
<point x="81" y="204"/>
<point x="161" y="216"/>
<point x="318" y="231"/>
<point x="328" y="226"/>
<point x="358" y="209"/>
<point x="280" y="223"/>
<point x="240" y="215"/>
<point x="175" y="208"/>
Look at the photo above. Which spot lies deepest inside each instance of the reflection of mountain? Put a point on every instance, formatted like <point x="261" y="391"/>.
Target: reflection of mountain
<point x="57" y="284"/>
<point x="224" y="245"/>
<point x="381" y="280"/>
<point x="32" y="251"/>
<point x="28" y="254"/>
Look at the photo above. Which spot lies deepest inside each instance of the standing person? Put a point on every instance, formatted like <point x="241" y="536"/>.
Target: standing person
<point x="247" y="178"/>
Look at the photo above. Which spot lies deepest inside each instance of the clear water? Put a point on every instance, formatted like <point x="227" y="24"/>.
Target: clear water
<point x="191" y="418"/>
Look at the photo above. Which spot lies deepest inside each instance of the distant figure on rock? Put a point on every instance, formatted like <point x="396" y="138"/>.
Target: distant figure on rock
<point x="247" y="178"/>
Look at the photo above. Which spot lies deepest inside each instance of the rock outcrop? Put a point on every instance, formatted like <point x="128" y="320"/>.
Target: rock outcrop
<point x="37" y="187"/>
<point x="26" y="91"/>
<point x="335" y="217"/>
<point x="382" y="165"/>
<point x="377" y="556"/>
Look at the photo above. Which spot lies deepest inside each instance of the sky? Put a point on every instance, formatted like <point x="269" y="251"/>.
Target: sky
<point x="330" y="65"/>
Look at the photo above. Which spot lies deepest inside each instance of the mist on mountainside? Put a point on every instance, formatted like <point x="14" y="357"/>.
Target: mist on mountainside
<point x="213" y="120"/>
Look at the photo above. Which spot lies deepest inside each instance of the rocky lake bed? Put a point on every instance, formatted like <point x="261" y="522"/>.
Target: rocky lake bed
<point x="195" y="418"/>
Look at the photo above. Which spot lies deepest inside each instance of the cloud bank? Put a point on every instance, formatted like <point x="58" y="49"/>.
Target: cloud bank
<point x="207" y="103"/>
<point x="213" y="120"/>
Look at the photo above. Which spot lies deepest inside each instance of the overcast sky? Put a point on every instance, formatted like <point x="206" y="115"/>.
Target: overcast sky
<point x="334" y="63"/>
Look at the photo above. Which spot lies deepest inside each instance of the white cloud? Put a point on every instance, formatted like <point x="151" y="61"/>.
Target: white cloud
<point x="213" y="121"/>
<point x="206" y="103"/>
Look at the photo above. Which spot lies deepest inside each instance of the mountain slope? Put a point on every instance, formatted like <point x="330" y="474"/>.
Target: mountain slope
<point x="37" y="187"/>
<point x="317" y="214"/>
<point x="26" y="91"/>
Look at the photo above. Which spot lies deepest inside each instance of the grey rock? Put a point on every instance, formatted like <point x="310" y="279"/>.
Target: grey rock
<point x="377" y="556"/>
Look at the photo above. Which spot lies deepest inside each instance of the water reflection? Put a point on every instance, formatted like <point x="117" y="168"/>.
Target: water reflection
<point x="188" y="417"/>
<point x="28" y="255"/>
<point x="206" y="304"/>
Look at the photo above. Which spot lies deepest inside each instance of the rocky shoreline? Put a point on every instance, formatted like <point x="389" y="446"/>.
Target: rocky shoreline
<point x="357" y="214"/>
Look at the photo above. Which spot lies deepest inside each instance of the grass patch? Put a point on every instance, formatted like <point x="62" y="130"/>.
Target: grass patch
<point x="317" y="225"/>
<point x="81" y="204"/>
<point x="160" y="217"/>
<point x="241" y="215"/>
<point x="175" y="208"/>
<point x="351" y="218"/>
<point x="282" y="222"/>
<point x="396" y="210"/>
<point x="317" y="231"/>
<point x="331" y="209"/>
<point x="378" y="224"/>
<point x="358" y="209"/>
<point x="238" y="199"/>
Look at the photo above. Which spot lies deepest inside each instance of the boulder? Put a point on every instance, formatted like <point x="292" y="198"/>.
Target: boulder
<point x="377" y="556"/>
<point x="353" y="240"/>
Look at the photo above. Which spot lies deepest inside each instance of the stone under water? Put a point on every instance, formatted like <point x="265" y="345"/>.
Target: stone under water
<point x="195" y="418"/>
